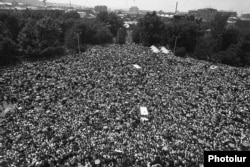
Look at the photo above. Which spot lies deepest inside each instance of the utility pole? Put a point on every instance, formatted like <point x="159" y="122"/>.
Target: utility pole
<point x="70" y="4"/>
<point x="176" y="7"/>
<point x="44" y="3"/>
<point x="176" y="37"/>
<point x="78" y="41"/>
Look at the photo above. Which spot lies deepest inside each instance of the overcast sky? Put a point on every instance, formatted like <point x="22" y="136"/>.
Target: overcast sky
<point x="241" y="6"/>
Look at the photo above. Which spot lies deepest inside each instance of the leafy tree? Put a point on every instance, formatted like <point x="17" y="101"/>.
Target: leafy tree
<point x="136" y="35"/>
<point x="111" y="20"/>
<point x="27" y="39"/>
<point x="8" y="48"/>
<point x="231" y="57"/>
<point x="41" y="38"/>
<point x="245" y="50"/>
<point x="186" y="32"/>
<point x="151" y="27"/>
<point x="48" y="33"/>
<point x="90" y="32"/>
<point x="121" y="36"/>
<point x="204" y="49"/>
<point x="218" y="25"/>
<point x="12" y="23"/>
<point x="229" y="36"/>
<point x="103" y="36"/>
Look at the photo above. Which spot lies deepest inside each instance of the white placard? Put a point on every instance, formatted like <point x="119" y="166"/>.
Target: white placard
<point x="144" y="110"/>
<point x="213" y="67"/>
<point x="143" y="119"/>
<point x="137" y="66"/>
<point x="118" y="151"/>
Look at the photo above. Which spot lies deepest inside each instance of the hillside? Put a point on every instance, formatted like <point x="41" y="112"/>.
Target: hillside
<point x="82" y="109"/>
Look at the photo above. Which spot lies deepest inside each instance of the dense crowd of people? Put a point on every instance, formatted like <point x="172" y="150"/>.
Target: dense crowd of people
<point x="83" y="110"/>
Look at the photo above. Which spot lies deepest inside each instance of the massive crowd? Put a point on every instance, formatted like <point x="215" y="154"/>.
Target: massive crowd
<point x="83" y="110"/>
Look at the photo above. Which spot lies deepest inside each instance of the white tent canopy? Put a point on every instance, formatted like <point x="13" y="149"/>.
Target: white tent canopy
<point x="164" y="50"/>
<point x="154" y="49"/>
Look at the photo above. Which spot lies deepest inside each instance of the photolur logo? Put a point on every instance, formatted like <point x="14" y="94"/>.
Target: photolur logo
<point x="227" y="159"/>
<point x="215" y="158"/>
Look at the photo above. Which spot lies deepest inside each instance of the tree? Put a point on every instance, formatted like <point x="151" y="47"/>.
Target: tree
<point x="48" y="33"/>
<point x="204" y="49"/>
<point x="136" y="35"/>
<point x="8" y="48"/>
<point x="151" y="29"/>
<point x="218" y="26"/>
<point x="231" y="56"/>
<point x="111" y="20"/>
<point x="185" y="32"/>
<point x="41" y="38"/>
<point x="229" y="36"/>
<point x="103" y="36"/>
<point x="245" y="50"/>
<point x="12" y="23"/>
<point x="90" y="32"/>
<point x="27" y="40"/>
<point x="121" y="36"/>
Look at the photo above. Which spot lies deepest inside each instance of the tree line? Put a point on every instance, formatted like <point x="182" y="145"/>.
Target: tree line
<point x="42" y="34"/>
<point x="216" y="41"/>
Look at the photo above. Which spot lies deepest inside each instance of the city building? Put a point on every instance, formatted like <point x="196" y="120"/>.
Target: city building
<point x="245" y="16"/>
<point x="86" y="13"/>
<point x="134" y="9"/>
<point x="180" y="16"/>
<point x="207" y="14"/>
<point x="100" y="8"/>
<point x="228" y="13"/>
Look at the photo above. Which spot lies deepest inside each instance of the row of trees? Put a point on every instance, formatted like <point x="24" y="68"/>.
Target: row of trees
<point x="215" y="42"/>
<point x="39" y="34"/>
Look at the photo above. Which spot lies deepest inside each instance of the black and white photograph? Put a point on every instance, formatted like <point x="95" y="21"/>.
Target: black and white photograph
<point x="124" y="83"/>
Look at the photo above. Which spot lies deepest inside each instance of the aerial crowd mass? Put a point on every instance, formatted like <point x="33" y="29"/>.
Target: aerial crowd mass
<point x="84" y="110"/>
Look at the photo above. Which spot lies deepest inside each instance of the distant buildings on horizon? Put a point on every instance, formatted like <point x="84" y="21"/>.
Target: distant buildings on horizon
<point x="206" y="14"/>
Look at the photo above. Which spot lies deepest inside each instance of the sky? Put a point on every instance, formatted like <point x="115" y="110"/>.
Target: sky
<point x="240" y="6"/>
